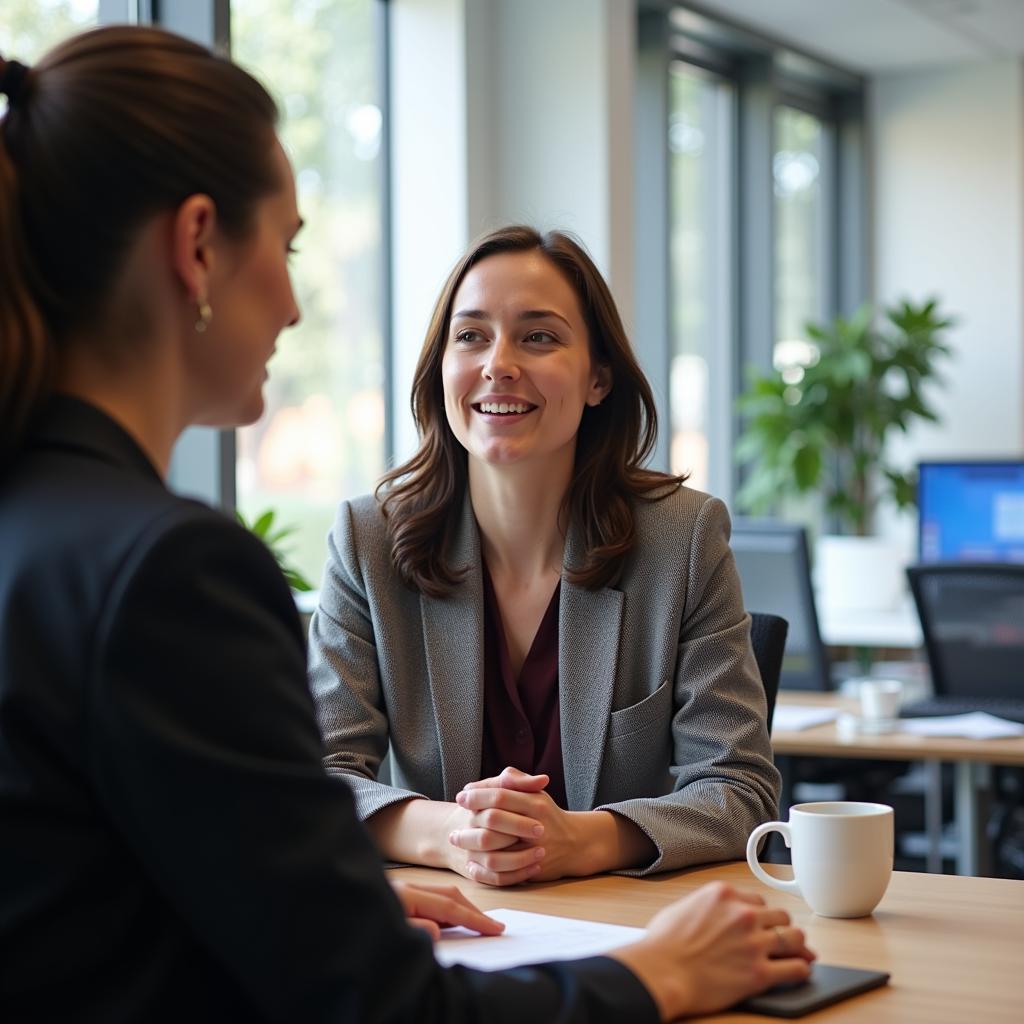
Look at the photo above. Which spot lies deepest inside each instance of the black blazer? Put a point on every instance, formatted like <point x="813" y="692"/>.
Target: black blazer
<point x="170" y="847"/>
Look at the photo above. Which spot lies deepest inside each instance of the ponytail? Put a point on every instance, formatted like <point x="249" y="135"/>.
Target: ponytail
<point x="108" y="129"/>
<point x="26" y="355"/>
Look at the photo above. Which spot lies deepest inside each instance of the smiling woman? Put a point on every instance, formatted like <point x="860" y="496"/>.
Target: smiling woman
<point x="548" y="638"/>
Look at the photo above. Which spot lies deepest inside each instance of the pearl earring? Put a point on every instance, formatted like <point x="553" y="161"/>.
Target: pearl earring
<point x="205" y="316"/>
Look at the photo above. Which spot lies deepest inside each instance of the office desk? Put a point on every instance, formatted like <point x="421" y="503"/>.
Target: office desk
<point x="971" y="759"/>
<point x="952" y="945"/>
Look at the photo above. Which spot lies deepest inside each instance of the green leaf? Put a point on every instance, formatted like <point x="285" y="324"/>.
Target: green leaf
<point x="871" y="379"/>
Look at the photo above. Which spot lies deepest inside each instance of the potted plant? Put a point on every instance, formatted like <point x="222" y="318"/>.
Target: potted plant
<point x="823" y="426"/>
<point x="263" y="527"/>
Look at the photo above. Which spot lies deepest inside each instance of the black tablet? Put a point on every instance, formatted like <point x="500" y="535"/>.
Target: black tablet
<point x="827" y="985"/>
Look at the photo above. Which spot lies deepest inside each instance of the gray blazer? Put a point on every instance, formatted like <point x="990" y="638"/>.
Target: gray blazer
<point x="662" y="708"/>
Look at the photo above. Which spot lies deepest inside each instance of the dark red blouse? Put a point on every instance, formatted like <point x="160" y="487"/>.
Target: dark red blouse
<point x="521" y="716"/>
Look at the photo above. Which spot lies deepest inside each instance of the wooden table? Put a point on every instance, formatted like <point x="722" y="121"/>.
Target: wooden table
<point x="971" y="759"/>
<point x="952" y="945"/>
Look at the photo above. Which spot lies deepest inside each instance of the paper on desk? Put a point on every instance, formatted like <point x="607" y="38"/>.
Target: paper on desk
<point x="794" y="717"/>
<point x="530" y="939"/>
<point x="978" y="725"/>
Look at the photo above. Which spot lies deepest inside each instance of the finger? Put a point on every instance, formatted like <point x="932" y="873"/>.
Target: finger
<point x="771" y="917"/>
<point x="512" y="778"/>
<point x="780" y="942"/>
<point x="504" y="799"/>
<point x="479" y="873"/>
<point x="481" y="839"/>
<point x="753" y="898"/>
<point x="454" y="911"/>
<point x="428" y="926"/>
<point x="508" y="823"/>
<point x="508" y="860"/>
<point x="786" y="972"/>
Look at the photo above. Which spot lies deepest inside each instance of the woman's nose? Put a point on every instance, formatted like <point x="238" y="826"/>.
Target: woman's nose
<point x="500" y="363"/>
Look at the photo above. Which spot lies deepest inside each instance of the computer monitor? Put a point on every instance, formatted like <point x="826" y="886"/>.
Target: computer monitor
<point x="971" y="511"/>
<point x="775" y="572"/>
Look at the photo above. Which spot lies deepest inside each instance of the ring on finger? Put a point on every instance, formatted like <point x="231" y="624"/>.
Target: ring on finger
<point x="780" y="940"/>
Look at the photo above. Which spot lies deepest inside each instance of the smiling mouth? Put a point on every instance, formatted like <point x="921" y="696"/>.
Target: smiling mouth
<point x="504" y="408"/>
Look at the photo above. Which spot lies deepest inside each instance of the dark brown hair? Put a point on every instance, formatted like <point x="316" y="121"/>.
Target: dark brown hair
<point x="108" y="129"/>
<point x="422" y="498"/>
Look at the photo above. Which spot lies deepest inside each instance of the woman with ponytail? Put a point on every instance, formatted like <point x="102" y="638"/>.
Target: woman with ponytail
<point x="170" y="846"/>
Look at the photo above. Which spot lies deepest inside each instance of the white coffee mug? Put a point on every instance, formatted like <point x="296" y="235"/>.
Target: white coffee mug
<point x="880" y="699"/>
<point x="842" y="855"/>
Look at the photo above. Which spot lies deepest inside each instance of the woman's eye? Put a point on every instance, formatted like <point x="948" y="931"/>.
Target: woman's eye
<point x="540" y="337"/>
<point x="468" y="336"/>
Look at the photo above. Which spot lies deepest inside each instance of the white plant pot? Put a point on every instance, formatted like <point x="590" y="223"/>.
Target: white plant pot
<point x="858" y="574"/>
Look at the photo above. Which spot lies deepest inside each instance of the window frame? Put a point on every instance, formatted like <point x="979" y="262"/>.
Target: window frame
<point x="766" y="73"/>
<point x="204" y="461"/>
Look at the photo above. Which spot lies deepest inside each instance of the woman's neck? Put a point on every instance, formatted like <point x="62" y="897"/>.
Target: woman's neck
<point x="519" y="510"/>
<point x="143" y="398"/>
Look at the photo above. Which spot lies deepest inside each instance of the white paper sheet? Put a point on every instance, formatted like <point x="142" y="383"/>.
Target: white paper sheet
<point x="529" y="939"/>
<point x="795" y="717"/>
<point x="978" y="725"/>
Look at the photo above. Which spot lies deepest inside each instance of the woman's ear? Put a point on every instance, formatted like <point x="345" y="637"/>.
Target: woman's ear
<point x="600" y="385"/>
<point x="193" y="228"/>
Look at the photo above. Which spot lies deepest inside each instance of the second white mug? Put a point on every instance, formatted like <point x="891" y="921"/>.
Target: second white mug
<point x="842" y="855"/>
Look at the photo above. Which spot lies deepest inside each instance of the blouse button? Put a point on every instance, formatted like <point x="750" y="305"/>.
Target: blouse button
<point x="521" y="736"/>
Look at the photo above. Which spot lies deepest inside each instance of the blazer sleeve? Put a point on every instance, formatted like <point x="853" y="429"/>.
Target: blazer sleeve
<point x="345" y="678"/>
<point x="725" y="780"/>
<point x="205" y="753"/>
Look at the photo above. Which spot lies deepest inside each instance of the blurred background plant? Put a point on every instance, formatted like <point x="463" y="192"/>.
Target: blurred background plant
<point x="263" y="527"/>
<point x="823" y="426"/>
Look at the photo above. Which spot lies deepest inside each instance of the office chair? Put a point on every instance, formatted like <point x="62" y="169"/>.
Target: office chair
<point x="972" y="618"/>
<point x="768" y="638"/>
<point x="775" y="571"/>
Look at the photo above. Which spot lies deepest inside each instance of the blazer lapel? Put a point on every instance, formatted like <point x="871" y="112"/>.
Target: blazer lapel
<point x="589" y="624"/>
<point x="453" y="637"/>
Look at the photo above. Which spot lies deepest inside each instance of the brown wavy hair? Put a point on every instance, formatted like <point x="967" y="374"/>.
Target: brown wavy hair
<point x="422" y="498"/>
<point x="109" y="128"/>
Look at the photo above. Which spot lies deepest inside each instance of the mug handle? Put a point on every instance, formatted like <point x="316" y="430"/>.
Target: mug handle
<point x="759" y="872"/>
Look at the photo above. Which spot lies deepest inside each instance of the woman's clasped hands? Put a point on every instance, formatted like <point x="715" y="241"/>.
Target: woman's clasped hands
<point x="514" y="832"/>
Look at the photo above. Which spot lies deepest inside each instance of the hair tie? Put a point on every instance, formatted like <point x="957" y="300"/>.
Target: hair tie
<point x="12" y="80"/>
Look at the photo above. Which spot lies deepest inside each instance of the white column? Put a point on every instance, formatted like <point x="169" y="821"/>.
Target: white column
<point x="502" y="111"/>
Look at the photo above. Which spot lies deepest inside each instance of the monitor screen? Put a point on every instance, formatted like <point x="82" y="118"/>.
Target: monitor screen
<point x="971" y="511"/>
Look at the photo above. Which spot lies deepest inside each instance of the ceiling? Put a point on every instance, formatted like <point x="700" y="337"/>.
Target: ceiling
<point x="881" y="36"/>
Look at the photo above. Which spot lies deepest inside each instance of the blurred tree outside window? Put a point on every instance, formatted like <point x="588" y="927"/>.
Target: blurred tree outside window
<point x="321" y="437"/>
<point x="28" y="28"/>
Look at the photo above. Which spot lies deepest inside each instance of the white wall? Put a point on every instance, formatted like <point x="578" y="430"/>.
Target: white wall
<point x="948" y="168"/>
<point x="502" y="111"/>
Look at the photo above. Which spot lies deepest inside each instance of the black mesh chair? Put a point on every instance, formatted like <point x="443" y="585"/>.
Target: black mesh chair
<point x="972" y="618"/>
<point x="768" y="638"/>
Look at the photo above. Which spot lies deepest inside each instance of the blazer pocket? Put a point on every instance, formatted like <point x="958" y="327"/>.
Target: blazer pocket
<point x="655" y="707"/>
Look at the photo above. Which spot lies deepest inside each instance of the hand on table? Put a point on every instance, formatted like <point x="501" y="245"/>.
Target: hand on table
<point x="714" y="948"/>
<point x="516" y="832"/>
<point x="433" y="907"/>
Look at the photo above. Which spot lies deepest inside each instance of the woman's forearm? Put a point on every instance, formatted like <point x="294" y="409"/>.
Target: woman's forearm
<point x="609" y="842"/>
<point x="416" y="831"/>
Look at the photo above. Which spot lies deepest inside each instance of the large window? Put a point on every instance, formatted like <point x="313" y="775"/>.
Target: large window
<point x="764" y="193"/>
<point x="700" y="201"/>
<point x="801" y="237"/>
<point x="28" y="28"/>
<point x="322" y="437"/>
